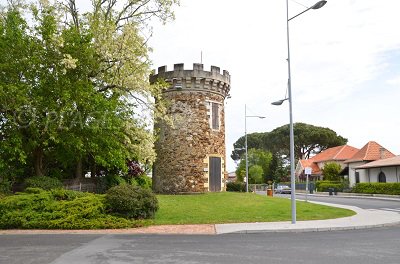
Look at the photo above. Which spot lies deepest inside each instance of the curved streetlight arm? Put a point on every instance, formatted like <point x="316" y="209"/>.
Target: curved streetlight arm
<point x="261" y="117"/>
<point x="318" y="5"/>
<point x="279" y="102"/>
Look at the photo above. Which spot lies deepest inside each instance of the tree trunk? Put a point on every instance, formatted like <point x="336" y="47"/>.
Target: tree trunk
<point x="38" y="161"/>
<point x="79" y="169"/>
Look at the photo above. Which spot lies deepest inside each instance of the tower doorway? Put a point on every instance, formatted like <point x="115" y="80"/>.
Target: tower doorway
<point x="215" y="174"/>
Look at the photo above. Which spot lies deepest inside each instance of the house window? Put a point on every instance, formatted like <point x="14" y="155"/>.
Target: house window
<point x="215" y="116"/>
<point x="357" y="177"/>
<point x="381" y="177"/>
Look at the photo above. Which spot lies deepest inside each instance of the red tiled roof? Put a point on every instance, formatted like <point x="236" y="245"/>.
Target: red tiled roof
<point x="339" y="153"/>
<point x="336" y="153"/>
<point x="370" y="152"/>
<point x="390" y="162"/>
<point x="310" y="163"/>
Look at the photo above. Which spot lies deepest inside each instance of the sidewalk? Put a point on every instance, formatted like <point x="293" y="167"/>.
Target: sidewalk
<point x="363" y="219"/>
<point x="357" y="195"/>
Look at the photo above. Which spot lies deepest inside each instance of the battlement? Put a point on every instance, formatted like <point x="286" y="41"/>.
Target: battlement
<point x="196" y="79"/>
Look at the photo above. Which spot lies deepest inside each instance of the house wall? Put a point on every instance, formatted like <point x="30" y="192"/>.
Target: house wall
<point x="390" y="172"/>
<point x="299" y="170"/>
<point x="352" y="173"/>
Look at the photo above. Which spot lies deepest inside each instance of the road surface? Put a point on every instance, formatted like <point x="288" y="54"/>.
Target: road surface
<point x="350" y="247"/>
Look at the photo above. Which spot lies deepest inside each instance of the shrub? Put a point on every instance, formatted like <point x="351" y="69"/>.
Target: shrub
<point x="142" y="181"/>
<point x="58" y="209"/>
<point x="132" y="201"/>
<point x="33" y="190"/>
<point x="324" y="186"/>
<point x="43" y="182"/>
<point x="5" y="186"/>
<point x="106" y="182"/>
<point x="378" y="188"/>
<point x="66" y="195"/>
<point x="331" y="171"/>
<point x="236" y="187"/>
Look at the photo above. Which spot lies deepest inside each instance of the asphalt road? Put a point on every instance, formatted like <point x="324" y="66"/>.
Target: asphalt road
<point x="350" y="247"/>
<point x="364" y="203"/>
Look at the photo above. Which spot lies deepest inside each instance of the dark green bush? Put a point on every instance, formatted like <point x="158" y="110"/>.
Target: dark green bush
<point x="33" y="190"/>
<point x="378" y="188"/>
<point x="236" y="187"/>
<point x="57" y="209"/>
<point x="66" y="195"/>
<point x="106" y="182"/>
<point x="5" y="186"/>
<point x="132" y="201"/>
<point x="142" y="181"/>
<point x="324" y="186"/>
<point x="44" y="182"/>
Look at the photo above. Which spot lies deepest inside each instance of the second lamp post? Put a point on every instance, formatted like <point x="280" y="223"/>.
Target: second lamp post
<point x="245" y="143"/>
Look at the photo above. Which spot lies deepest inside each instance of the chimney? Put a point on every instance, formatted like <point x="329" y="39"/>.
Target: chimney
<point x="382" y="151"/>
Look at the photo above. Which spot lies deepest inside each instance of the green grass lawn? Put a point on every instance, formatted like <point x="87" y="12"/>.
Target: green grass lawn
<point x="228" y="207"/>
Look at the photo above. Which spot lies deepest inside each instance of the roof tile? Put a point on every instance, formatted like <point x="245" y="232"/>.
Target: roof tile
<point x="338" y="153"/>
<point x="389" y="162"/>
<point x="370" y="152"/>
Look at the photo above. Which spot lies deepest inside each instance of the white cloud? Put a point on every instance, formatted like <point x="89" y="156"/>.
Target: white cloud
<point x="395" y="81"/>
<point x="337" y="53"/>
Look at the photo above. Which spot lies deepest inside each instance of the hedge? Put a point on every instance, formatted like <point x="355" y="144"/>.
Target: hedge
<point x="43" y="182"/>
<point x="377" y="188"/>
<point x="58" y="209"/>
<point x="235" y="187"/>
<point x="324" y="186"/>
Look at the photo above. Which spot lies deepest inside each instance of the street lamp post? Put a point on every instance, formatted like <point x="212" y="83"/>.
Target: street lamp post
<point x="245" y="144"/>
<point x="290" y="98"/>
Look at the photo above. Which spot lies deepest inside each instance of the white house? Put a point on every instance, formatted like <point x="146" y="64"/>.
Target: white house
<point x="384" y="170"/>
<point x="372" y="151"/>
<point x="337" y="155"/>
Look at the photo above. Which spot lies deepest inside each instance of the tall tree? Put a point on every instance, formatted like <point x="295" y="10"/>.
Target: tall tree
<point x="254" y="140"/>
<point x="308" y="139"/>
<point x="256" y="157"/>
<point x="73" y="86"/>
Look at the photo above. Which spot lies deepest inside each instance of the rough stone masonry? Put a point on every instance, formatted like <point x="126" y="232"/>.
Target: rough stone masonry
<point x="191" y="154"/>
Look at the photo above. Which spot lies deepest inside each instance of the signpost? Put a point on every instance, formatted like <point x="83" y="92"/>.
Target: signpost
<point x="307" y="171"/>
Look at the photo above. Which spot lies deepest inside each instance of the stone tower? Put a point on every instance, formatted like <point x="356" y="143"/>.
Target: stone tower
<point x="191" y="153"/>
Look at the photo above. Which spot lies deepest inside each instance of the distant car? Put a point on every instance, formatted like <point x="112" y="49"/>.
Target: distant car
<point x="283" y="189"/>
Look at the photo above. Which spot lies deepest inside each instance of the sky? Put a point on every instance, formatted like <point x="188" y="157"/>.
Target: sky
<point x="345" y="63"/>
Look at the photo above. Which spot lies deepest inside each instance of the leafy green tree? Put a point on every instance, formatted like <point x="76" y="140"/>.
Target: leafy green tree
<point x="73" y="86"/>
<point x="308" y="139"/>
<point x="280" y="170"/>
<point x="331" y="171"/>
<point x="256" y="174"/>
<point x="258" y="158"/>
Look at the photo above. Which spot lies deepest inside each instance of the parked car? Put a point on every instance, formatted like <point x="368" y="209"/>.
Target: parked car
<point x="283" y="189"/>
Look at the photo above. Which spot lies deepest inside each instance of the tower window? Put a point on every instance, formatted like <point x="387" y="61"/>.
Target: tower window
<point x="215" y="116"/>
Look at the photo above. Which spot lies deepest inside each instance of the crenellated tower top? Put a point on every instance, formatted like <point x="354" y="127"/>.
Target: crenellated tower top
<point x="197" y="79"/>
